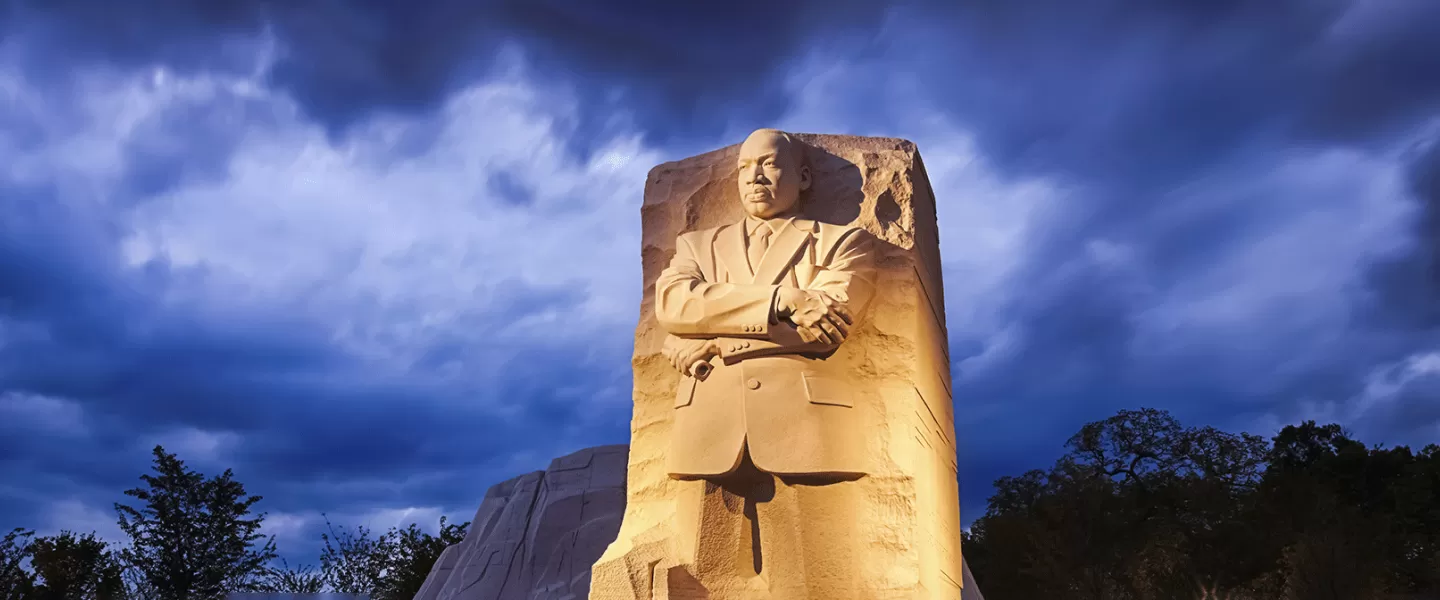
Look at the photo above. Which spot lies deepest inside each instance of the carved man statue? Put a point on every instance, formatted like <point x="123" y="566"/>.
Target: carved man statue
<point x="755" y="312"/>
<point x="809" y="449"/>
<point x="771" y="297"/>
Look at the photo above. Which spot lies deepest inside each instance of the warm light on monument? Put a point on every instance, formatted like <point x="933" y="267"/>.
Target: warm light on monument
<point x="793" y="433"/>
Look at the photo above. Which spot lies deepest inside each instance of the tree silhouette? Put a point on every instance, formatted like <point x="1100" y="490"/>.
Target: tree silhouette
<point x="284" y="579"/>
<point x="75" y="567"/>
<point x="353" y="562"/>
<point x="413" y="554"/>
<point x="391" y="566"/>
<point x="1141" y="507"/>
<point x="192" y="538"/>
<point x="15" y="582"/>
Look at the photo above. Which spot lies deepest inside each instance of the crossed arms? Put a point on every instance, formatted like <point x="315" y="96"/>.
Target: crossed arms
<point x="736" y="321"/>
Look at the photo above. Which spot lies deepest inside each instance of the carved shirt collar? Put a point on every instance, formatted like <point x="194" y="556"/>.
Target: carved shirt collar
<point x="753" y="224"/>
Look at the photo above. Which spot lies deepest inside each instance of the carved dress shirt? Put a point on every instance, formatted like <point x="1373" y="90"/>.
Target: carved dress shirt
<point x="758" y="233"/>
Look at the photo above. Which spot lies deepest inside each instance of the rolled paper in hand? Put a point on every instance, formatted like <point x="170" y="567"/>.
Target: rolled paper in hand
<point x="701" y="369"/>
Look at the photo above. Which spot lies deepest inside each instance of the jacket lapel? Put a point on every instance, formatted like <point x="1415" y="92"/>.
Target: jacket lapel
<point x="784" y="248"/>
<point x="730" y="248"/>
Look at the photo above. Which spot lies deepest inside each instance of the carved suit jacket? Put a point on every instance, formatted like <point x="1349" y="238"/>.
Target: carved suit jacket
<point x="769" y="390"/>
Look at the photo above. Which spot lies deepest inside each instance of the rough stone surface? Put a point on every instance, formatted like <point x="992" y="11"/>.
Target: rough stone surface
<point x="600" y="522"/>
<point x="903" y="514"/>
<point x="535" y="536"/>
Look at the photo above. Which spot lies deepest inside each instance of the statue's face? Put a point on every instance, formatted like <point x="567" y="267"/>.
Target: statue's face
<point x="772" y="175"/>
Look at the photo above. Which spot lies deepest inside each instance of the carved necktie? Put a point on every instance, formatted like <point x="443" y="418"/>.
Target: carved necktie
<point x="759" y="242"/>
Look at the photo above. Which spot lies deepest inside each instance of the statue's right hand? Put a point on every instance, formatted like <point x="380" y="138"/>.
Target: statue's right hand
<point x="817" y="316"/>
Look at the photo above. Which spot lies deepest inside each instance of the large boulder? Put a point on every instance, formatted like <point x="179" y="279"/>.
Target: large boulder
<point x="535" y="536"/>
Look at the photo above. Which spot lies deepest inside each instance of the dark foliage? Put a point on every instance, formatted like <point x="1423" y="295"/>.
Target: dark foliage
<point x="390" y="566"/>
<point x="353" y="562"/>
<point x="15" y="582"/>
<point x="285" y="579"/>
<point x="1141" y="507"/>
<point x="75" y="567"/>
<point x="414" y="553"/>
<point x="193" y="538"/>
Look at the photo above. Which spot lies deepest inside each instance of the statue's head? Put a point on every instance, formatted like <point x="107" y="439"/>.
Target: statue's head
<point x="772" y="174"/>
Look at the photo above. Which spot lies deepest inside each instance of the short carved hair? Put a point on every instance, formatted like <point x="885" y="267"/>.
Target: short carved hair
<point x="796" y="147"/>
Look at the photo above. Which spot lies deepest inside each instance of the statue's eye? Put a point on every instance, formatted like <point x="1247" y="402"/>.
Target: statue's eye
<point x="769" y="163"/>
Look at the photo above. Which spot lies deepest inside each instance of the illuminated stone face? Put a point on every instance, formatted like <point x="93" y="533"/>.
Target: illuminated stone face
<point x="771" y="175"/>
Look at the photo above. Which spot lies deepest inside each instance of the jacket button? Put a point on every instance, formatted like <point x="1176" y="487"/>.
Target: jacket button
<point x="753" y="384"/>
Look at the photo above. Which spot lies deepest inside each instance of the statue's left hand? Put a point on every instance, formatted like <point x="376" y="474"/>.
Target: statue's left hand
<point x="683" y="353"/>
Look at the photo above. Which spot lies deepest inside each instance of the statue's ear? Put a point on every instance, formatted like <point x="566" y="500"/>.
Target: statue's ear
<point x="804" y="177"/>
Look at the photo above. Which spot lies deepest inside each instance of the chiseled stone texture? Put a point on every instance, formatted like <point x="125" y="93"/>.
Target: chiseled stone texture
<point x="535" y="536"/>
<point x="605" y="515"/>
<point x="906" y="513"/>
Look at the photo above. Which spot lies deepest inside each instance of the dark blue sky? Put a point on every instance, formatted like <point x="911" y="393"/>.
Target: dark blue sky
<point x="328" y="244"/>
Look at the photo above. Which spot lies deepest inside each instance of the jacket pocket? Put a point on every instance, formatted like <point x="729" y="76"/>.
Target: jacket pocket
<point x="824" y="390"/>
<point x="685" y="391"/>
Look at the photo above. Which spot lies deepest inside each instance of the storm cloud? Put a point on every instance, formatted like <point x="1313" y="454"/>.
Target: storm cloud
<point x="326" y="244"/>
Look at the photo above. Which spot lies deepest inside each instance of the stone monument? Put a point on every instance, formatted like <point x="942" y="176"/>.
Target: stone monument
<point x="792" y="435"/>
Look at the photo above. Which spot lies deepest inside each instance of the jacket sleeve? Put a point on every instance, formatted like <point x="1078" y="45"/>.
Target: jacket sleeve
<point x="783" y="339"/>
<point x="848" y="276"/>
<point x="849" y="273"/>
<point x="686" y="305"/>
